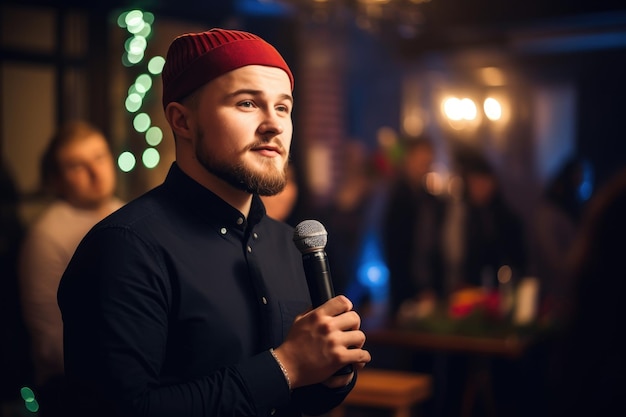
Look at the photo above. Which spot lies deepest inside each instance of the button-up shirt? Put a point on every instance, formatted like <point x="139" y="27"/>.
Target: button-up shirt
<point x="171" y="304"/>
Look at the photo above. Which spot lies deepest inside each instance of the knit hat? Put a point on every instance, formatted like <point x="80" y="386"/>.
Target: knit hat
<point x="194" y="59"/>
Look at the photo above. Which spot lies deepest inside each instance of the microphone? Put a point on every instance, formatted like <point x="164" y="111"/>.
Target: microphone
<point x="310" y="238"/>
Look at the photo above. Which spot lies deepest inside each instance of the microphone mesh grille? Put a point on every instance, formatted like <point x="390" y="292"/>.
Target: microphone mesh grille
<point x="310" y="235"/>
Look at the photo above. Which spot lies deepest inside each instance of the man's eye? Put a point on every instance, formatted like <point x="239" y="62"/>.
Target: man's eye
<point x="246" y="103"/>
<point x="284" y="109"/>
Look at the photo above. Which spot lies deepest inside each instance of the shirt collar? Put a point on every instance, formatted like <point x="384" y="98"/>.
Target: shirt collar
<point x="204" y="202"/>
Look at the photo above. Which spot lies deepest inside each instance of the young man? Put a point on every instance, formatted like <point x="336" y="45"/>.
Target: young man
<point x="79" y="169"/>
<point x="191" y="301"/>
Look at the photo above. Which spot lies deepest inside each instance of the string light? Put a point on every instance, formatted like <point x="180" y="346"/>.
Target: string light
<point x="139" y="23"/>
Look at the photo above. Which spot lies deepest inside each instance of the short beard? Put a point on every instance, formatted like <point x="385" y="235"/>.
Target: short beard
<point x="241" y="177"/>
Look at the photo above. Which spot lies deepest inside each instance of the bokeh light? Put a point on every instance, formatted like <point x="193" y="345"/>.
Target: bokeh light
<point x="133" y="102"/>
<point x="154" y="136"/>
<point x="155" y="65"/>
<point x="150" y="157"/>
<point x="492" y="108"/>
<point x="126" y="161"/>
<point x="141" y="122"/>
<point x="143" y="83"/>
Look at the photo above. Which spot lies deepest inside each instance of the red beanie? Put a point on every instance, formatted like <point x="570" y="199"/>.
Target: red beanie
<point x="194" y="59"/>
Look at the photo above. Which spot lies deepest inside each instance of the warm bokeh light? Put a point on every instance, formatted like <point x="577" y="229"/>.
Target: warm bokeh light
<point x="413" y="124"/>
<point x="505" y="273"/>
<point x="492" y="76"/>
<point x="459" y="109"/>
<point x="435" y="183"/>
<point x="492" y="108"/>
<point x="452" y="108"/>
<point x="468" y="109"/>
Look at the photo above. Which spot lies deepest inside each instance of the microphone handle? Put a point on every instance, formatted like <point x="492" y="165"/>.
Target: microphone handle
<point x="317" y="272"/>
<point x="318" y="278"/>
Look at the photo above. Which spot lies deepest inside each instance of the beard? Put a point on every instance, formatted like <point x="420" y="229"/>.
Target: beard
<point x="269" y="182"/>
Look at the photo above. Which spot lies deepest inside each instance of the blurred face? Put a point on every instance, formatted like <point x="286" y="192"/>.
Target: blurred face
<point x="481" y="188"/>
<point x="243" y="128"/>
<point x="418" y="163"/>
<point x="87" y="172"/>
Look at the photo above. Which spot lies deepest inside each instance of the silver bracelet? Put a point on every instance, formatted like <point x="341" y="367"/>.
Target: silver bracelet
<point x="282" y="368"/>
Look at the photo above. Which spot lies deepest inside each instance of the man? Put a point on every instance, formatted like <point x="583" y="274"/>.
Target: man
<point x="412" y="223"/>
<point x="190" y="301"/>
<point x="78" y="168"/>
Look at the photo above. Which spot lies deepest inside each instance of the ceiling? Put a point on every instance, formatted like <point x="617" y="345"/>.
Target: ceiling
<point x="526" y="24"/>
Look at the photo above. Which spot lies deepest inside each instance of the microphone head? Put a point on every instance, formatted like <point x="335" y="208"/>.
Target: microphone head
<point x="309" y="236"/>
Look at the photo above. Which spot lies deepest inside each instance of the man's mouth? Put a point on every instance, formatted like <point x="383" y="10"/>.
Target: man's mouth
<point x="268" y="150"/>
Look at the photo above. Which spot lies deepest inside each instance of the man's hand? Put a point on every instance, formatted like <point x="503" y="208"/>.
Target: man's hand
<point x="322" y="341"/>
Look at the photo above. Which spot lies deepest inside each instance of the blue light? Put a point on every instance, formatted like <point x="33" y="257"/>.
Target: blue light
<point x="372" y="271"/>
<point x="262" y="8"/>
<point x="585" y="189"/>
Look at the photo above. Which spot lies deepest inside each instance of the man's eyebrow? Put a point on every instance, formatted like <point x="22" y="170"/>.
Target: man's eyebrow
<point x="258" y="93"/>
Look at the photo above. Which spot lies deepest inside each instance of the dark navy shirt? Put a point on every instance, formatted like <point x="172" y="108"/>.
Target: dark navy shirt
<point x="171" y="303"/>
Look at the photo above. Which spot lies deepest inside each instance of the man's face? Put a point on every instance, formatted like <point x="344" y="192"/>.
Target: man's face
<point x="87" y="172"/>
<point x="243" y="128"/>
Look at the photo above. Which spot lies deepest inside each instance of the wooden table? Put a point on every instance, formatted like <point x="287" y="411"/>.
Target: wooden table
<point x="480" y="352"/>
<point x="510" y="346"/>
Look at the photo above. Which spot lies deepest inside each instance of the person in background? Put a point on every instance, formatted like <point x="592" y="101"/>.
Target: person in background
<point x="487" y="234"/>
<point x="555" y="225"/>
<point x="190" y="300"/>
<point x="411" y="230"/>
<point x="78" y="168"/>
<point x="15" y="361"/>
<point x="588" y="364"/>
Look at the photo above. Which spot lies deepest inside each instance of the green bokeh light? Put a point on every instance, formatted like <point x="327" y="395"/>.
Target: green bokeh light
<point x="32" y="406"/>
<point x="133" y="90"/>
<point x="154" y="136"/>
<point x="145" y="31"/>
<point x="133" y="102"/>
<point x="135" y="58"/>
<point x="126" y="161"/>
<point x="155" y="65"/>
<point x="27" y="394"/>
<point x="125" y="61"/>
<point x="136" y="45"/>
<point x="148" y="18"/>
<point x="150" y="158"/>
<point x="141" y="122"/>
<point x="121" y="19"/>
<point x="134" y="18"/>
<point x="143" y="83"/>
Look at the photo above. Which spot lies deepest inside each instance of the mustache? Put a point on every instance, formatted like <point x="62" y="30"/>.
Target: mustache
<point x="275" y="142"/>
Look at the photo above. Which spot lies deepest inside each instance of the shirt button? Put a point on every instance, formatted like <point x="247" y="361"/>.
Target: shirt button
<point x="264" y="300"/>
<point x="223" y="230"/>
<point x="240" y="221"/>
<point x="272" y="411"/>
<point x="254" y="235"/>
<point x="249" y="249"/>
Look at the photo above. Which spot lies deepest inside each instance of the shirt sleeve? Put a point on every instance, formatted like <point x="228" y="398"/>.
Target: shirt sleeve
<point x="41" y="265"/>
<point x="116" y="298"/>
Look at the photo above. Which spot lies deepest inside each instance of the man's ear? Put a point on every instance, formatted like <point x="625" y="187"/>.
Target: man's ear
<point x="178" y="116"/>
